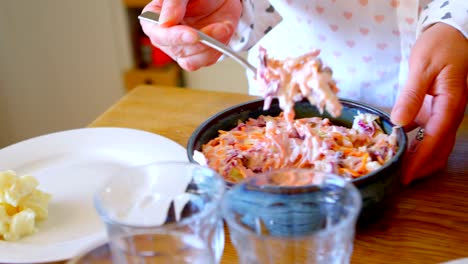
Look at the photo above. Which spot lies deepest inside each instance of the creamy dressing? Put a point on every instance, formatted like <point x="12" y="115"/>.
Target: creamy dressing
<point x="267" y="143"/>
<point x="293" y="79"/>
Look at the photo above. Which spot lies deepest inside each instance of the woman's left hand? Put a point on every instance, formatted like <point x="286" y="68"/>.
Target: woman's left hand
<point x="434" y="98"/>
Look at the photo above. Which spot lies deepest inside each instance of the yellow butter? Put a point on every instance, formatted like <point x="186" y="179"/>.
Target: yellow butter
<point x="21" y="205"/>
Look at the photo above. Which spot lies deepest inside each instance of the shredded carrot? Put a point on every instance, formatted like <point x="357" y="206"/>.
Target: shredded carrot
<point x="350" y="171"/>
<point x="337" y="135"/>
<point x="362" y="168"/>
<point x="244" y="147"/>
<point x="345" y="150"/>
<point x="268" y="143"/>
<point x="356" y="153"/>
<point x="256" y="136"/>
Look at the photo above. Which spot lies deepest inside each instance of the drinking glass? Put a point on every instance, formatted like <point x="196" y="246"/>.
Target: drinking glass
<point x="150" y="246"/>
<point x="292" y="216"/>
<point x="163" y="208"/>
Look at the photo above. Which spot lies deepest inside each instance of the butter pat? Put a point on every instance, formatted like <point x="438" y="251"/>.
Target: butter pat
<point x="21" y="205"/>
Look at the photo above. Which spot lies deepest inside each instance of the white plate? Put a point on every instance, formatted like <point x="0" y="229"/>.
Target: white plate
<point x="71" y="165"/>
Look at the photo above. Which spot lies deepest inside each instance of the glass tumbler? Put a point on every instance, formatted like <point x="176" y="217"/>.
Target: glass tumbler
<point x="147" y="208"/>
<point x="292" y="216"/>
<point x="150" y="247"/>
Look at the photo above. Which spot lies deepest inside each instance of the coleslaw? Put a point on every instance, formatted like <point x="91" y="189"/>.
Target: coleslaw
<point x="292" y="79"/>
<point x="267" y="143"/>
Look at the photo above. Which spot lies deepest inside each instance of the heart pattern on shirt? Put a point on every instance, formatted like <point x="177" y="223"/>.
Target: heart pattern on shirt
<point x="447" y="16"/>
<point x="379" y="18"/>
<point x="409" y="20"/>
<point x="333" y="27"/>
<point x="382" y="46"/>
<point x="364" y="31"/>
<point x="394" y="3"/>
<point x="350" y="43"/>
<point x="381" y="74"/>
<point x="377" y="26"/>
<point x="348" y="15"/>
<point x="366" y="59"/>
<point x="270" y="9"/>
<point x="444" y="4"/>
<point x="319" y="9"/>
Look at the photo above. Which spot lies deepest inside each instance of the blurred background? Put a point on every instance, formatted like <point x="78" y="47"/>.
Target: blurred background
<point x="64" y="62"/>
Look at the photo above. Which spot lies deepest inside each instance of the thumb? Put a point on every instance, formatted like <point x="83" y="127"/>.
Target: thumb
<point x="409" y="102"/>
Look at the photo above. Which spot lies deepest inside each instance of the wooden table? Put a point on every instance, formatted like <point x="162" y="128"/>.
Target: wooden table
<point x="428" y="222"/>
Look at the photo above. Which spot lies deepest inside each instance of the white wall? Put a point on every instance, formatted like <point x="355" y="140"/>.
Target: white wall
<point x="60" y="64"/>
<point x="226" y="75"/>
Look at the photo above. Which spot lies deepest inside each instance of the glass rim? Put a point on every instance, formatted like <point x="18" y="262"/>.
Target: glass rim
<point x="208" y="209"/>
<point x="230" y="217"/>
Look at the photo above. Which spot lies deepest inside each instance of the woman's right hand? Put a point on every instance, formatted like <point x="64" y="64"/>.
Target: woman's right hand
<point x="176" y="37"/>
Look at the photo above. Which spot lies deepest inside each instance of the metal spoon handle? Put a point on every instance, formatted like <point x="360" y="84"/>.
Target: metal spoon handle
<point x="207" y="40"/>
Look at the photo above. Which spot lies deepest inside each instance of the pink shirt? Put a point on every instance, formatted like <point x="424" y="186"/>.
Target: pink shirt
<point x="366" y="42"/>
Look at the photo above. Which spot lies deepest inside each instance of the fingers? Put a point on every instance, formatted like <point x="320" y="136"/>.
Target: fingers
<point x="410" y="127"/>
<point x="421" y="75"/>
<point x="201" y="55"/>
<point x="173" y="36"/>
<point x="198" y="61"/>
<point x="446" y="114"/>
<point x="416" y="163"/>
<point x="181" y="43"/>
<point x="179" y="40"/>
<point x="171" y="12"/>
<point x="422" y="158"/>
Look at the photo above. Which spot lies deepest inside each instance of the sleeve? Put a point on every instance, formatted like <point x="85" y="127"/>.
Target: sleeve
<point x="258" y="17"/>
<point x="450" y="12"/>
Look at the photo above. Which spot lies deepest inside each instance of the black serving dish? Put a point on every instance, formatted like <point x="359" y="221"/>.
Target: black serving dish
<point x="374" y="187"/>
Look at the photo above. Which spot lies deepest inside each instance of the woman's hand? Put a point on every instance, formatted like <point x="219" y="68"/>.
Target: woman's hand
<point x="217" y="18"/>
<point x="434" y="98"/>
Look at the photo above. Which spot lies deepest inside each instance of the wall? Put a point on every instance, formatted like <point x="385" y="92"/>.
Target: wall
<point x="226" y="75"/>
<point x="60" y="64"/>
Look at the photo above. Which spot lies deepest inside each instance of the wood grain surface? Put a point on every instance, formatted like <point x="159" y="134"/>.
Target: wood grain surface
<point x="426" y="223"/>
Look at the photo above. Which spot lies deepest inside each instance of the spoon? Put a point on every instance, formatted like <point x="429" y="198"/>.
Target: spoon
<point x="207" y="40"/>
